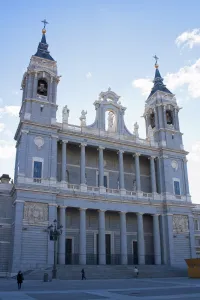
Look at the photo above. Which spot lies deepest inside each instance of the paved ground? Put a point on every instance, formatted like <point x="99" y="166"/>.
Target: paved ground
<point x="130" y="289"/>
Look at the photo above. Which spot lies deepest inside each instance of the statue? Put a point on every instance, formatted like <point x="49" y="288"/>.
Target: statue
<point x="65" y="114"/>
<point x="169" y="117"/>
<point x="83" y="118"/>
<point x="152" y="120"/>
<point x="110" y="121"/>
<point x="150" y="134"/>
<point x="136" y="127"/>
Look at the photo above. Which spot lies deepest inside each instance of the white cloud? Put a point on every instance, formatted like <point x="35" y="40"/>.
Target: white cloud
<point x="7" y="149"/>
<point x="1" y="100"/>
<point x="144" y="84"/>
<point x="194" y="155"/>
<point x="187" y="76"/>
<point x="2" y="126"/>
<point x="88" y="75"/>
<point x="188" y="38"/>
<point x="11" y="110"/>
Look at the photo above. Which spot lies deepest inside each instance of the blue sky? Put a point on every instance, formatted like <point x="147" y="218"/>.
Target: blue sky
<point x="98" y="44"/>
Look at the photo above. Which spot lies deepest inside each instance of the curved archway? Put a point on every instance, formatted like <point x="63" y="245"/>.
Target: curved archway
<point x="42" y="87"/>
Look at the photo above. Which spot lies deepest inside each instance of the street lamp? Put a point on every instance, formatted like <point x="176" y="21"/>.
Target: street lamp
<point x="55" y="231"/>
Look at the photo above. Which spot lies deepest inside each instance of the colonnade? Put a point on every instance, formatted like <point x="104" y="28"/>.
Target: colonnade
<point x="102" y="234"/>
<point x="136" y="157"/>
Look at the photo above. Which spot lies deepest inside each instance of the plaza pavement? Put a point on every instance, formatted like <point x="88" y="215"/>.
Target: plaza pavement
<point x="126" y="289"/>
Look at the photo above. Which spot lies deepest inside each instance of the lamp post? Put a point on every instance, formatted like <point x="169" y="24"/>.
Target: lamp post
<point x="55" y="231"/>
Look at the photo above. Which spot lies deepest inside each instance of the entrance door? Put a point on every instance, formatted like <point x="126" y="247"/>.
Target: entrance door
<point x="135" y="252"/>
<point x="68" y="251"/>
<point x="108" y="248"/>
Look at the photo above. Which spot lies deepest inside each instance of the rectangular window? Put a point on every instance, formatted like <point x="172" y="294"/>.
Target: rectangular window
<point x="177" y="191"/>
<point x="197" y="242"/>
<point x="37" y="171"/>
<point x="196" y="225"/>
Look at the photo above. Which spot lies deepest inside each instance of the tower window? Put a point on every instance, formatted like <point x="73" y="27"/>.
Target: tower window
<point x="42" y="87"/>
<point x="152" y="120"/>
<point x="37" y="171"/>
<point x="196" y="224"/>
<point x="169" y="117"/>
<point x="177" y="190"/>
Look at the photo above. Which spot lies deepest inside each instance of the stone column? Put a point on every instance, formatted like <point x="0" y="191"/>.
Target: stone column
<point x="177" y="120"/>
<point x="62" y="238"/>
<point x="140" y="239"/>
<point x="82" y="237"/>
<point x="23" y="152"/>
<point x="83" y="181"/>
<point x="101" y="170"/>
<point x="163" y="240"/>
<point x="52" y="217"/>
<point x="153" y="175"/>
<point x="64" y="160"/>
<point x="192" y="237"/>
<point x="164" y="117"/>
<point x="156" y="240"/>
<point x="102" y="242"/>
<point x="169" y="238"/>
<point x="17" y="236"/>
<point x="29" y="86"/>
<point x="187" y="191"/>
<point x="123" y="238"/>
<point x="137" y="171"/>
<point x="16" y="164"/>
<point x="53" y="158"/>
<point x="156" y="117"/>
<point x="51" y="91"/>
<point x="35" y="83"/>
<point x="121" y="170"/>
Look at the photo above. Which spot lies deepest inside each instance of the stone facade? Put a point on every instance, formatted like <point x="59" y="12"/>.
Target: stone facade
<point x="121" y="199"/>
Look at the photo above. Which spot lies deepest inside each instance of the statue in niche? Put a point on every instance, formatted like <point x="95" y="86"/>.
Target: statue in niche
<point x="110" y="121"/>
<point x="65" y="114"/>
<point x="152" y="120"/>
<point x="169" y="117"/>
<point x="42" y="87"/>
<point x="136" y="127"/>
<point x="83" y="118"/>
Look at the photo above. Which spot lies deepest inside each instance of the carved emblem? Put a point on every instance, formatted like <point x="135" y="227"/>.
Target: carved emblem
<point x="180" y="223"/>
<point x="174" y="165"/>
<point x="39" y="141"/>
<point x="35" y="213"/>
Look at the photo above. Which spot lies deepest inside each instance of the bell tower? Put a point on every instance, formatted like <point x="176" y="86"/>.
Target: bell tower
<point x="39" y="86"/>
<point x="161" y="115"/>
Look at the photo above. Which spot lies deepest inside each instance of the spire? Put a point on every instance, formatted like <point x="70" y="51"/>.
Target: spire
<point x="42" y="50"/>
<point x="158" y="81"/>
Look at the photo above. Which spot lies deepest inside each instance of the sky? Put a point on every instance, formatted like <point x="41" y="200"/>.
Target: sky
<point x="99" y="44"/>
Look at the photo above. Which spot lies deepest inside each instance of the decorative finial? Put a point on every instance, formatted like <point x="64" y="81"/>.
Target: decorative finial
<point x="156" y="61"/>
<point x="45" y="23"/>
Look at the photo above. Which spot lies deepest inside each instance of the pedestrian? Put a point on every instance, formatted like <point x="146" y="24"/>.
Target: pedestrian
<point x="136" y="271"/>
<point x="83" y="274"/>
<point x="20" y="279"/>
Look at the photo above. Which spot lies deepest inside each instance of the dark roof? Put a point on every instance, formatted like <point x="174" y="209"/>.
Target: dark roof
<point x="42" y="50"/>
<point x="158" y="84"/>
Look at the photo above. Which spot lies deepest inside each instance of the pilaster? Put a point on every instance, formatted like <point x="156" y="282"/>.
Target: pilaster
<point x="192" y="237"/>
<point x="83" y="179"/>
<point x="137" y="171"/>
<point x="53" y="158"/>
<point x="62" y="237"/>
<point x="121" y="171"/>
<point x="140" y="238"/>
<point x="64" y="160"/>
<point x="156" y="239"/>
<point x="52" y="217"/>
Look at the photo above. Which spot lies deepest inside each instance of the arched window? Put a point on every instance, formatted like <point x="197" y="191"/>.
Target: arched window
<point x="42" y="87"/>
<point x="169" y="117"/>
<point x="152" y="120"/>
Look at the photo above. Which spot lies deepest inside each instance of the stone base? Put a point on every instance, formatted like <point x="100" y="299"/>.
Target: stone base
<point x="83" y="187"/>
<point x="102" y="190"/>
<point x="122" y="192"/>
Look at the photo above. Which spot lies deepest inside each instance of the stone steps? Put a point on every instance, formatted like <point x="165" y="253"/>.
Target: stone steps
<point x="73" y="272"/>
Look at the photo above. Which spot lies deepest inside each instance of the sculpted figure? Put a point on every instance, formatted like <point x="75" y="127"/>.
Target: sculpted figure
<point x="65" y="114"/>
<point x="136" y="127"/>
<point x="83" y="117"/>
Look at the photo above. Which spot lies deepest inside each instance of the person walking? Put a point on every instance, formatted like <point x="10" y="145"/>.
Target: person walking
<point x="20" y="279"/>
<point x="83" y="274"/>
<point x="136" y="271"/>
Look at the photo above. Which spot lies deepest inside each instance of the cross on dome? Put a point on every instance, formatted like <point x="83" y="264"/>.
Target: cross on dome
<point x="45" y="22"/>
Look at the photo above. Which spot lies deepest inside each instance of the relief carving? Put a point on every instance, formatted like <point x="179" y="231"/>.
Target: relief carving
<point x="35" y="213"/>
<point x="180" y="223"/>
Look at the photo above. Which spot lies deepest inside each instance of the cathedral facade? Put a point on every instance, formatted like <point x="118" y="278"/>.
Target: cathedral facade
<point x="120" y="199"/>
